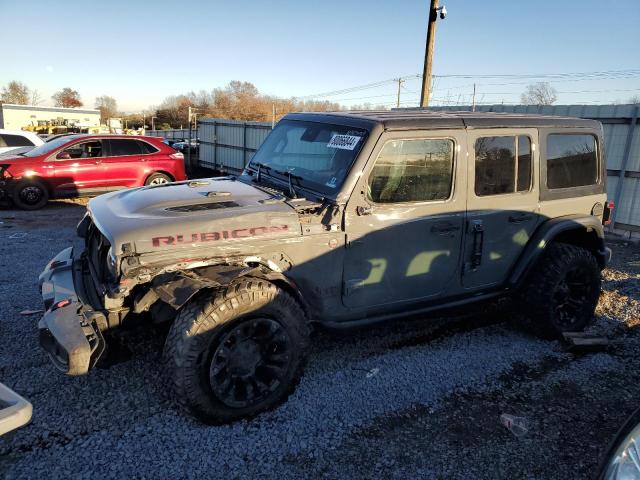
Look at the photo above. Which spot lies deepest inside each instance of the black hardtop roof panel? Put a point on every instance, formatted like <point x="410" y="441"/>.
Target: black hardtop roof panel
<point x="419" y="118"/>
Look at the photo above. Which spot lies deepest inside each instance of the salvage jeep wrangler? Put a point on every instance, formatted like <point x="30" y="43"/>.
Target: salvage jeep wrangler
<point x="339" y="219"/>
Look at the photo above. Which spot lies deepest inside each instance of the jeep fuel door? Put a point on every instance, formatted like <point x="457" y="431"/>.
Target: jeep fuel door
<point x="502" y="203"/>
<point x="404" y="220"/>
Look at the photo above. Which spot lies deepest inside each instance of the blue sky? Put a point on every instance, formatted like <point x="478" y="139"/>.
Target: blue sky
<point x="141" y="51"/>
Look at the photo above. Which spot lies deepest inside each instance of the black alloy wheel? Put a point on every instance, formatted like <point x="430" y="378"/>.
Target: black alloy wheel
<point x="249" y="362"/>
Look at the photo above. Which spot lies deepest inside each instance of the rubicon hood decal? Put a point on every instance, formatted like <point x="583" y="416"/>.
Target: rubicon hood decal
<point x="159" y="242"/>
<point x="181" y="217"/>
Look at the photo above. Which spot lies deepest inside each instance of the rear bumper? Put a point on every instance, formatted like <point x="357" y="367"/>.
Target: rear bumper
<point x="69" y="330"/>
<point x="15" y="411"/>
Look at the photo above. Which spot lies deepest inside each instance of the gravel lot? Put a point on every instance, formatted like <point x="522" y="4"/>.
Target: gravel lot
<point x="416" y="399"/>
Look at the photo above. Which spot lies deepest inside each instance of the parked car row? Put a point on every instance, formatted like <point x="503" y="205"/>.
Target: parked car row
<point x="81" y="164"/>
<point x="182" y="145"/>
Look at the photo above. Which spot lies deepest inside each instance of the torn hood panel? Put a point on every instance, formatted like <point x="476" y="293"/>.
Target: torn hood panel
<point x="186" y="214"/>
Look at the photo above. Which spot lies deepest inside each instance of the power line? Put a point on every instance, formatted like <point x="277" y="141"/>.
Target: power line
<point x="563" y="76"/>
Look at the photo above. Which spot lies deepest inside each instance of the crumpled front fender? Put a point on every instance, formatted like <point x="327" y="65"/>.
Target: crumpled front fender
<point x="177" y="288"/>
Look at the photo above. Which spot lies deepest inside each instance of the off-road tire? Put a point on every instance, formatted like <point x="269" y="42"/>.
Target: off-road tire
<point x="158" y="179"/>
<point x="199" y="331"/>
<point x="540" y="304"/>
<point x="30" y="195"/>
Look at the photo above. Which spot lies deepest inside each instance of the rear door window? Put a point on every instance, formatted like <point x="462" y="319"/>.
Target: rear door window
<point x="572" y="160"/>
<point x="121" y="147"/>
<point x="503" y="165"/>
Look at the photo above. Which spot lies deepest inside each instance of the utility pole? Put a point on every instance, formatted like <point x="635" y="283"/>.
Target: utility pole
<point x="473" y="102"/>
<point x="144" y="121"/>
<point x="400" y="82"/>
<point x="434" y="9"/>
<point x="189" y="144"/>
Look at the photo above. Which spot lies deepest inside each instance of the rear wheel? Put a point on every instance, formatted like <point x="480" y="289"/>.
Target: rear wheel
<point x="158" y="179"/>
<point x="237" y="353"/>
<point x="563" y="291"/>
<point x="30" y="195"/>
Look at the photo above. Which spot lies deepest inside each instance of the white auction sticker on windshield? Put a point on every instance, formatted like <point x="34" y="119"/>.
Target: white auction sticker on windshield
<point x="343" y="142"/>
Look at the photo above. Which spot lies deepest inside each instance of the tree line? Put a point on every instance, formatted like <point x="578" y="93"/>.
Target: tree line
<point x="237" y="100"/>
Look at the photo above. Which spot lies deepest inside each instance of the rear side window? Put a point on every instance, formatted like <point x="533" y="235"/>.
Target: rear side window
<point x="412" y="171"/>
<point x="124" y="146"/>
<point x="8" y="140"/>
<point x="147" y="147"/>
<point x="571" y="160"/>
<point x="503" y="165"/>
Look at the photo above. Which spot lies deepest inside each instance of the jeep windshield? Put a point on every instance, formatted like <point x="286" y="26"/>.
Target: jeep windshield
<point x="311" y="155"/>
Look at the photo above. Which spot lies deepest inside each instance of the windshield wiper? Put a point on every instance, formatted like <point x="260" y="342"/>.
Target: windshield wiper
<point x="289" y="175"/>
<point x="259" y="170"/>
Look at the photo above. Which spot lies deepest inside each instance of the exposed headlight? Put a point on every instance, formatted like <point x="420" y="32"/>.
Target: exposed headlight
<point x="624" y="460"/>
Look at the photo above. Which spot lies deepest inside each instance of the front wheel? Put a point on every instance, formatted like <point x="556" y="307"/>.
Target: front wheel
<point x="30" y="195"/>
<point x="563" y="291"/>
<point x="237" y="352"/>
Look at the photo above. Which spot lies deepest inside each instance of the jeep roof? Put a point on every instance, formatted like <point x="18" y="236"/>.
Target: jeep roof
<point x="427" y="119"/>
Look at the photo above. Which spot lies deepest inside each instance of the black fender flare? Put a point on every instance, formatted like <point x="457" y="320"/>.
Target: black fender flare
<point x="177" y="288"/>
<point x="551" y="230"/>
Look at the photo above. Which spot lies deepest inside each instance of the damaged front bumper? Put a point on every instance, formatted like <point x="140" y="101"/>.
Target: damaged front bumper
<point x="69" y="330"/>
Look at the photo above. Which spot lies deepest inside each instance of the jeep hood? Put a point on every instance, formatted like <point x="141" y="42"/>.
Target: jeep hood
<point x="212" y="212"/>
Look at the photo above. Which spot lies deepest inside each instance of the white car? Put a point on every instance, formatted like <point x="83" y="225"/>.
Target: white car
<point x="13" y="139"/>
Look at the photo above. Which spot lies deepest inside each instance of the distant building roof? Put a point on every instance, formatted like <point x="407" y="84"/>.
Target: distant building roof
<point x="13" y="106"/>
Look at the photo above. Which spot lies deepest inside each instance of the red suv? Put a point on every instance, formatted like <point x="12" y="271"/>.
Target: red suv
<point x="76" y="165"/>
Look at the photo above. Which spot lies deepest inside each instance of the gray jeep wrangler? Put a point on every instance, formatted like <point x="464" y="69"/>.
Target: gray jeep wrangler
<point x="340" y="219"/>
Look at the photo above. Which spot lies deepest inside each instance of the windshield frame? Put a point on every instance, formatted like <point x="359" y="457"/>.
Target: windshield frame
<point x="300" y="183"/>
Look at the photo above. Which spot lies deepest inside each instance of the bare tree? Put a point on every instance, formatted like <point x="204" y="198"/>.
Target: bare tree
<point x="15" y="92"/>
<point x="540" y="93"/>
<point x="36" y="98"/>
<point x="108" y="107"/>
<point x="67" y="98"/>
<point x="236" y="101"/>
<point x="634" y="100"/>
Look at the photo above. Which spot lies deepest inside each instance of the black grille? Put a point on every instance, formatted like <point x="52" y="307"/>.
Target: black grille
<point x="97" y="251"/>
<point x="203" y="206"/>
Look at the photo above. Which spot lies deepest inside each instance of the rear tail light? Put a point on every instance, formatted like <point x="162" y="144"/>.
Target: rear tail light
<point x="177" y="156"/>
<point x="609" y="205"/>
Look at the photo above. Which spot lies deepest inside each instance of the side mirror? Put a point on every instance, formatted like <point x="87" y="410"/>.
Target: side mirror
<point x="63" y="156"/>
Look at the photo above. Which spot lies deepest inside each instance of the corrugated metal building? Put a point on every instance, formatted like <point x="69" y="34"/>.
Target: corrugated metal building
<point x="229" y="144"/>
<point x="17" y="117"/>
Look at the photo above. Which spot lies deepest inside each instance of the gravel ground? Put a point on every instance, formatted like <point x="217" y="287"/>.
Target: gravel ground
<point x="416" y="399"/>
